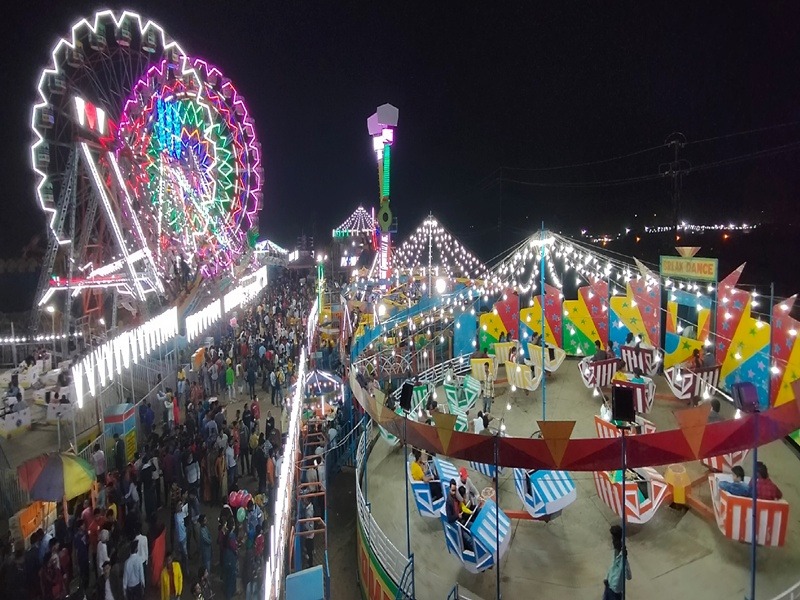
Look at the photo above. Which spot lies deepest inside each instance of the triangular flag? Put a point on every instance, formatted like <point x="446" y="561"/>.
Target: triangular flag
<point x="556" y="436"/>
<point x="445" y="424"/>
<point x="692" y="422"/>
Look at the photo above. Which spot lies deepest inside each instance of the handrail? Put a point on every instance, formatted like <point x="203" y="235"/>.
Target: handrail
<point x="406" y="582"/>
<point x="391" y="559"/>
<point x="793" y="593"/>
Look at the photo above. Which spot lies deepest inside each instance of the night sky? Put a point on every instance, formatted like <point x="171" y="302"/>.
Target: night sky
<point x="486" y="95"/>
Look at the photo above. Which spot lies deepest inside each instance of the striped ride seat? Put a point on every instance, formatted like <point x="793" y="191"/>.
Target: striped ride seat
<point x="461" y="424"/>
<point x="734" y="515"/>
<point x="419" y="396"/>
<point x="544" y="492"/>
<point x="643" y="393"/>
<point x="502" y="349"/>
<point x="491" y="525"/>
<point x="647" y="360"/>
<point x="553" y="356"/>
<point x="447" y="471"/>
<point x="472" y="390"/>
<point x="597" y="374"/>
<point x="427" y="506"/>
<point x="607" y="429"/>
<point x="688" y="383"/>
<point x="726" y="462"/>
<point x="521" y="376"/>
<point x="484" y="469"/>
<point x="642" y="502"/>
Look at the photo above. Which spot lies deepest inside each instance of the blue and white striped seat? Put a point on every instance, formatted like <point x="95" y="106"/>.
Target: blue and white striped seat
<point x="447" y="471"/>
<point x="490" y="526"/>
<point x="550" y="491"/>
<point x="427" y="506"/>
<point x="484" y="469"/>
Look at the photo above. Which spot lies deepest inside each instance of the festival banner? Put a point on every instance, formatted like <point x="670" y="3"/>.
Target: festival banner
<point x="585" y="321"/>
<point x="530" y="319"/>
<point x="785" y="354"/>
<point x="491" y="326"/>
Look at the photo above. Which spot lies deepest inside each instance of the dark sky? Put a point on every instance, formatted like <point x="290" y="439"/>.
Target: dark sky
<point x="479" y="86"/>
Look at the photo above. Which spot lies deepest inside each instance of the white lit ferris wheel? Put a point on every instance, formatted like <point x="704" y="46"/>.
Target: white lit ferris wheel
<point x="144" y="156"/>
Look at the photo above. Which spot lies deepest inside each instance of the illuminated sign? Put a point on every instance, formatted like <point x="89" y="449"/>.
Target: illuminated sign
<point x="697" y="269"/>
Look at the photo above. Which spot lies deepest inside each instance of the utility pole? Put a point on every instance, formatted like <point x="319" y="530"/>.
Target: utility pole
<point x="675" y="170"/>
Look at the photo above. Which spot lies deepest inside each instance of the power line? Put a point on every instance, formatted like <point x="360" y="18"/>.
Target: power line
<point x="739" y="133"/>
<point x="736" y="159"/>
<point x="585" y="164"/>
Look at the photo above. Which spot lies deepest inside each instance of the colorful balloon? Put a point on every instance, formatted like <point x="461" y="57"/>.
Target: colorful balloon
<point x="240" y="515"/>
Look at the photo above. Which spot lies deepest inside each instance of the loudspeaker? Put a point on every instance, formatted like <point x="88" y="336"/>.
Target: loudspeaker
<point x="405" y="396"/>
<point x="622" y="408"/>
<point x="745" y="396"/>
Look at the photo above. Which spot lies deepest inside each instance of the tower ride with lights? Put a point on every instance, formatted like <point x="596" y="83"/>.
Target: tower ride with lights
<point x="381" y="127"/>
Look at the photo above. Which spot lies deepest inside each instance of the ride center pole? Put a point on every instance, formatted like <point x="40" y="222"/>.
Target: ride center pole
<point x="543" y="330"/>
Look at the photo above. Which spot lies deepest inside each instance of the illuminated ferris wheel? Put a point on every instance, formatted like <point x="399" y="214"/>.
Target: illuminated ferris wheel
<point x="145" y="158"/>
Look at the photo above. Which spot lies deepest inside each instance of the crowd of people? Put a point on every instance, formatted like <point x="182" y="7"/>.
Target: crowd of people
<point x="185" y="467"/>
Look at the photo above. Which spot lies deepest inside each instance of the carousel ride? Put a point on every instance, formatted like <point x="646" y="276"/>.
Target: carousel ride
<point x="618" y="306"/>
<point x="147" y="166"/>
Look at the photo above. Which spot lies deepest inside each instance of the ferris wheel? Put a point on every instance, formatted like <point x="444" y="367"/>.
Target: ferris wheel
<point x="145" y="158"/>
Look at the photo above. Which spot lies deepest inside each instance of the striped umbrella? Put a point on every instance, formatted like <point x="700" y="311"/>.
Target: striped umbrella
<point x="63" y="476"/>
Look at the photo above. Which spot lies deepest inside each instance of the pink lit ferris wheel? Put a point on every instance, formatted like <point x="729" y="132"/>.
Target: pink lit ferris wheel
<point x="145" y="158"/>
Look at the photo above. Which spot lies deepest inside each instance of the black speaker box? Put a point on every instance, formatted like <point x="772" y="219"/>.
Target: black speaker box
<point x="622" y="407"/>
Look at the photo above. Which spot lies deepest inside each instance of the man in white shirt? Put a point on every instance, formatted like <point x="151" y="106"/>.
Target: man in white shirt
<point x="99" y="463"/>
<point x="133" y="575"/>
<point x="169" y="412"/>
<point x="230" y="462"/>
<point x="143" y="551"/>
<point x="477" y="423"/>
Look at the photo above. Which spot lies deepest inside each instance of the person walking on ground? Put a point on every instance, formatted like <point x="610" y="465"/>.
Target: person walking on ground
<point x="171" y="579"/>
<point x="99" y="463"/>
<point x="230" y="464"/>
<point x="181" y="512"/>
<point x="620" y="567"/>
<point x="230" y="379"/>
<point x="81" y="543"/>
<point x="143" y="550"/>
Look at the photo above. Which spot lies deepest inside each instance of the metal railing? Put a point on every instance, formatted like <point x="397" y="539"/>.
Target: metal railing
<point x="391" y="559"/>
<point x="405" y="591"/>
<point x="793" y="593"/>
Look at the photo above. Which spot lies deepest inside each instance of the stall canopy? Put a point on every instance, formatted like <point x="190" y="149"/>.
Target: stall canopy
<point x="57" y="476"/>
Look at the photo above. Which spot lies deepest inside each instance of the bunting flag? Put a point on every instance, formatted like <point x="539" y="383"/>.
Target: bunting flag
<point x="692" y="422"/>
<point x="556" y="435"/>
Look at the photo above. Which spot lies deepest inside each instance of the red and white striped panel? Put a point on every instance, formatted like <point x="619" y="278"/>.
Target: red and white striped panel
<point x="726" y="462"/>
<point x="597" y="374"/>
<point x="641" y="358"/>
<point x="734" y="516"/>
<point x="706" y="377"/>
<point x="680" y="381"/>
<point x="636" y="510"/>
<point x="608" y="492"/>
<point x="605" y="429"/>
<point x="643" y="393"/>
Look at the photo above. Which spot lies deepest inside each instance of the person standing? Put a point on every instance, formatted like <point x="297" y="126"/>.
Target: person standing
<point x="99" y="463"/>
<point x="181" y="512"/>
<point x="169" y="413"/>
<point x="104" y="589"/>
<point x="171" y="579"/>
<point x="230" y="464"/>
<point x="143" y="550"/>
<point x="230" y="563"/>
<point x="205" y="543"/>
<point x="244" y="448"/>
<point x="488" y="388"/>
<point x="133" y="575"/>
<point x="620" y="567"/>
<point x="230" y="379"/>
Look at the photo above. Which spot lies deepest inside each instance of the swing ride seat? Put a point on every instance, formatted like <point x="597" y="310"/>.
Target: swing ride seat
<point x="462" y="423"/>
<point x="392" y="440"/>
<point x="544" y="493"/>
<point x="644" y="392"/>
<point x="476" y="367"/>
<point x="734" y="515"/>
<point x="502" y="350"/>
<point x="521" y="376"/>
<point x="484" y="530"/>
<point x="597" y="374"/>
<point x="726" y="462"/>
<point x="553" y="357"/>
<point x="642" y="497"/>
<point x="485" y="469"/>
<point x="459" y="399"/>
<point x="607" y="429"/>
<point x="427" y="506"/>
<point x="419" y="397"/>
<point x="688" y="383"/>
<point x="472" y="390"/>
<point x="446" y="471"/>
<point x="647" y="360"/>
